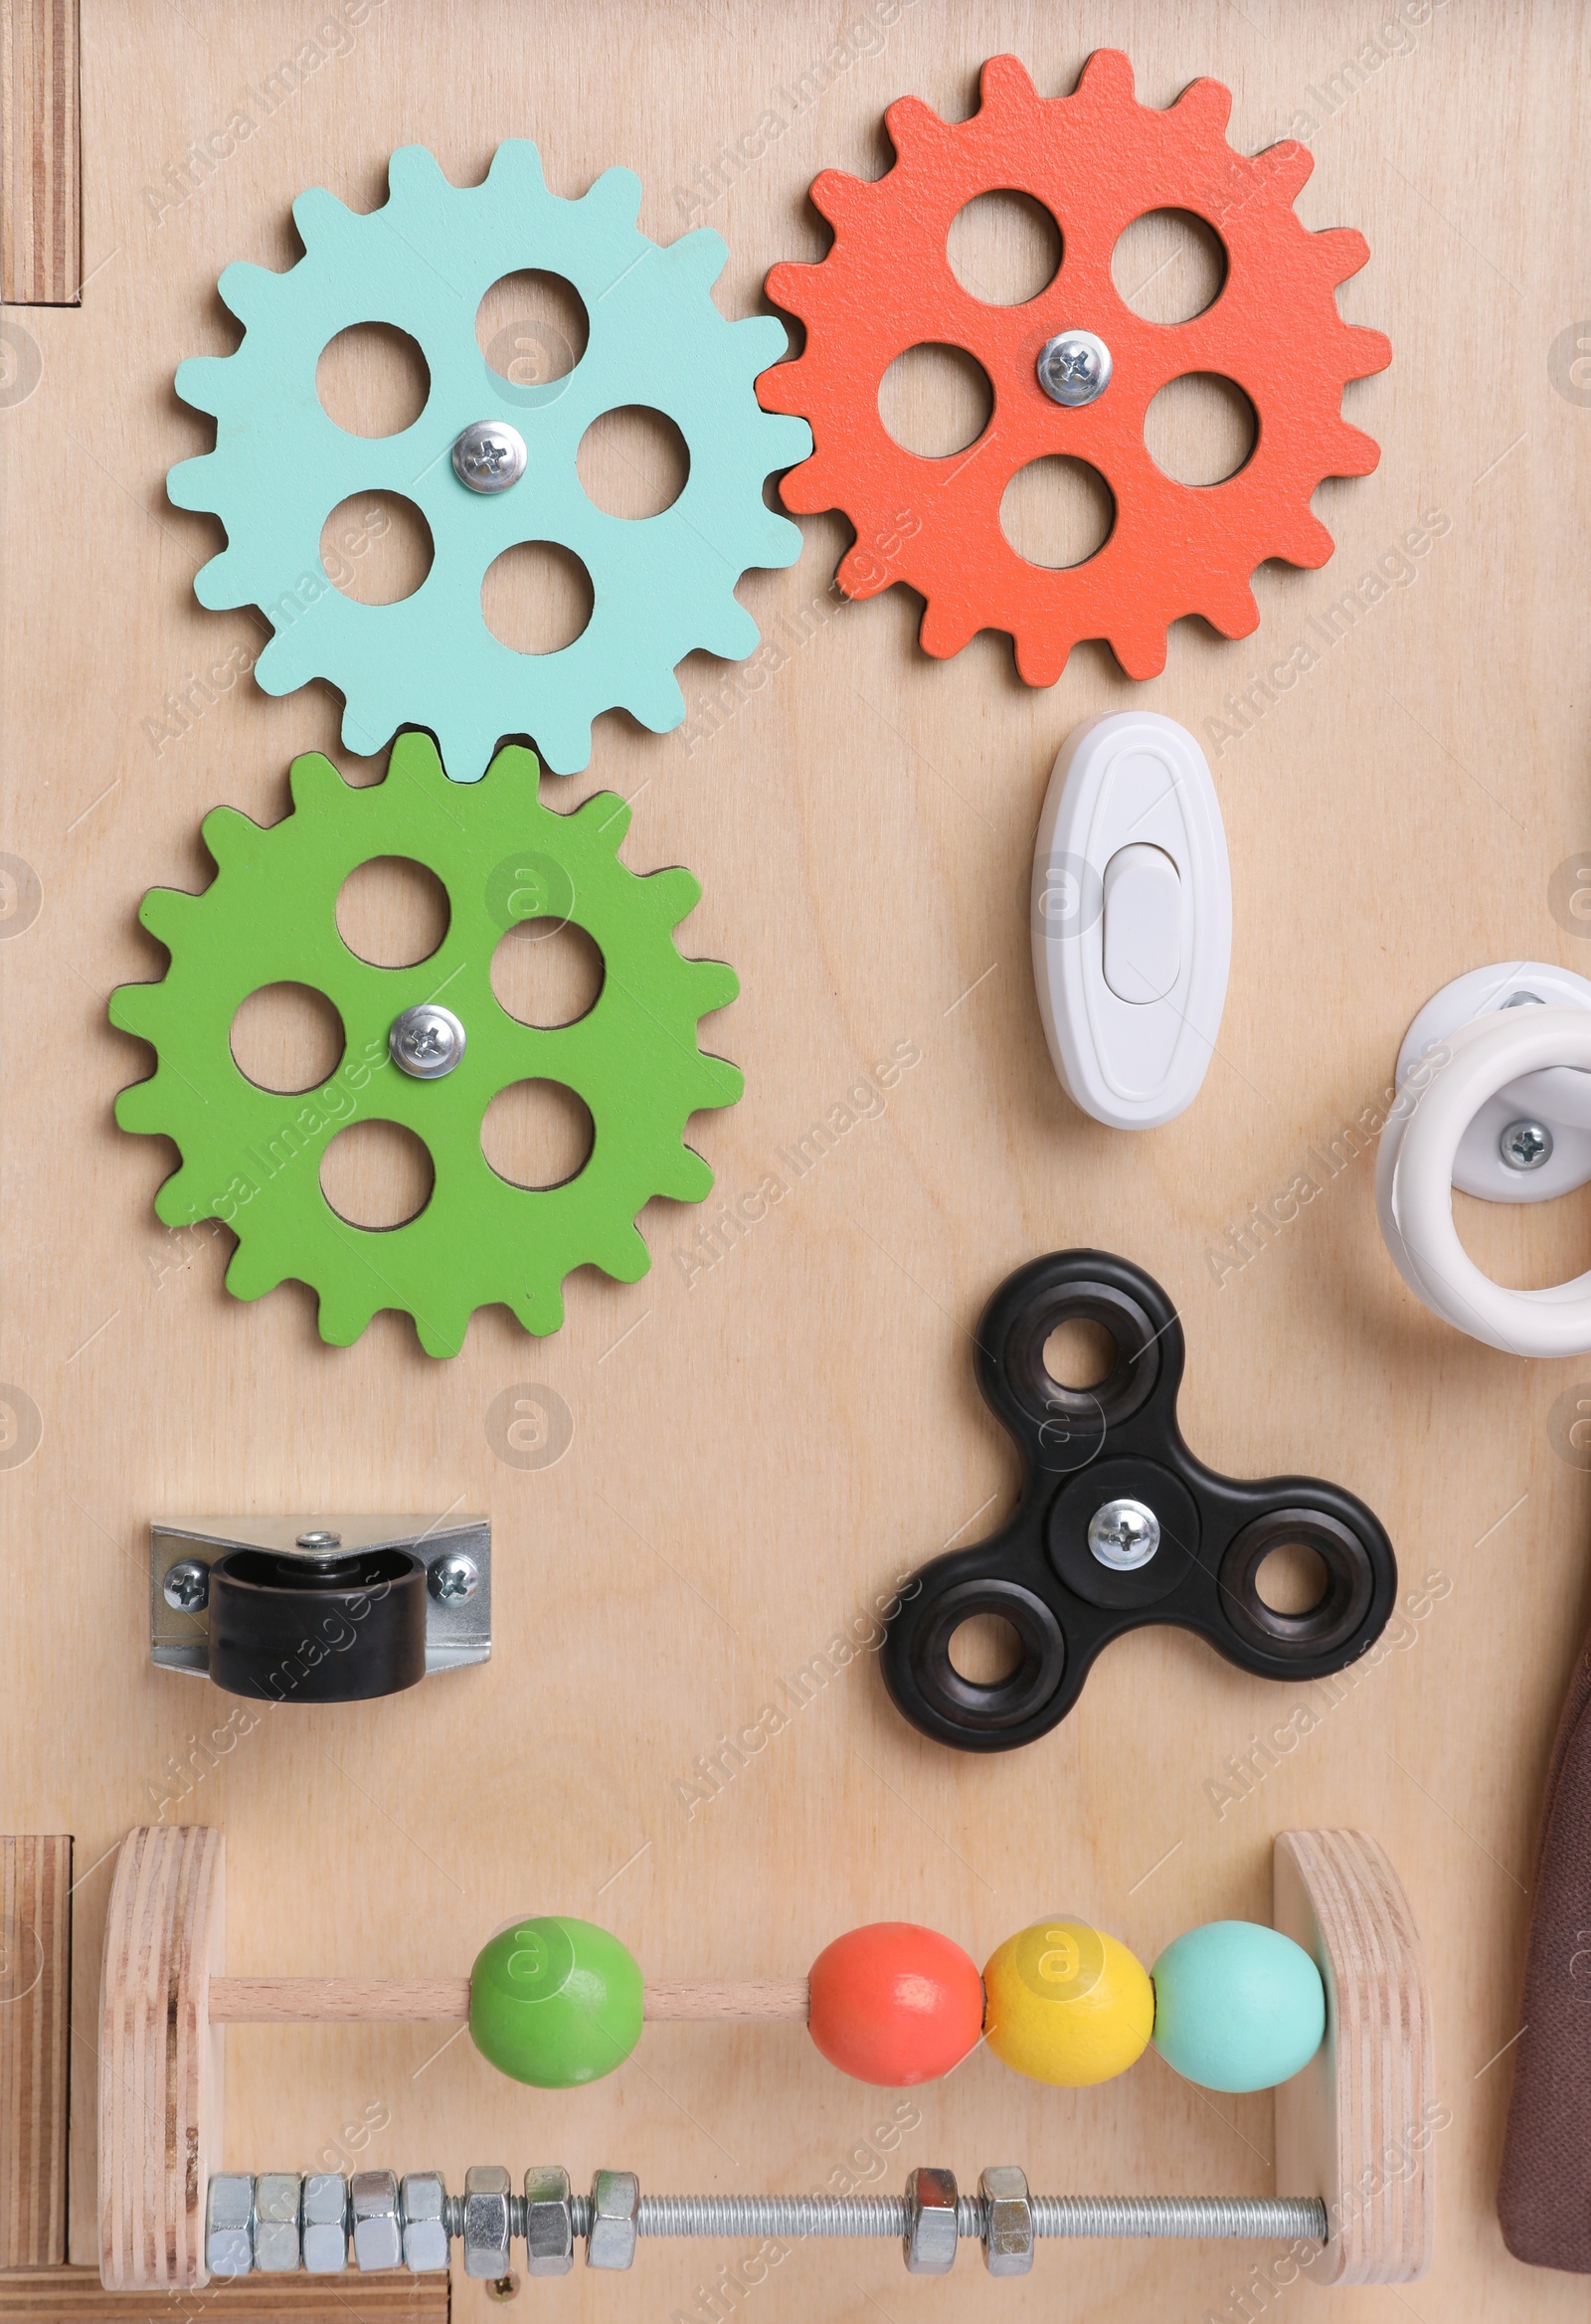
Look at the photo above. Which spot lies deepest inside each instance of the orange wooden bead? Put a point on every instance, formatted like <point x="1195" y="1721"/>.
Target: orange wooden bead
<point x="895" y="2004"/>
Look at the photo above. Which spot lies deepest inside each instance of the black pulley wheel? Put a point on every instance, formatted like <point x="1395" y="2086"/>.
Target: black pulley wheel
<point x="322" y="1630"/>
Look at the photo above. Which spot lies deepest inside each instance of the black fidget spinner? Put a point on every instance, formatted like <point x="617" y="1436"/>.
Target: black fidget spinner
<point x="1119" y="1526"/>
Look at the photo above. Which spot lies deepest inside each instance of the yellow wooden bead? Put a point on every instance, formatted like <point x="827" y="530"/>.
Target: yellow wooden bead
<point x="1065" y="2003"/>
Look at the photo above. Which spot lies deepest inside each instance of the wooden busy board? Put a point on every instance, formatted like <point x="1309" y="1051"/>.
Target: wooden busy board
<point x="773" y="1427"/>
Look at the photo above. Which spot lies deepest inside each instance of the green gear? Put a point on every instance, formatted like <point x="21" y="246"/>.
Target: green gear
<point x="252" y="1157"/>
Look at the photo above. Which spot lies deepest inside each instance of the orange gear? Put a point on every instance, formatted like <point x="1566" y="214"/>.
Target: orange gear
<point x="1096" y="160"/>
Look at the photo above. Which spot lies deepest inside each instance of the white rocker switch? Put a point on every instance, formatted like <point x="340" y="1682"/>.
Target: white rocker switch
<point x="1142" y="932"/>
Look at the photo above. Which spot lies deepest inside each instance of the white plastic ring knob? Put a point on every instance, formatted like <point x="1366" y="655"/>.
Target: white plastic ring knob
<point x="1414" y="1180"/>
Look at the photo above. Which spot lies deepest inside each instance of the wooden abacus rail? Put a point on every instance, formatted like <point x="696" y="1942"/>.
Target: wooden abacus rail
<point x="1353" y="2128"/>
<point x="279" y="2001"/>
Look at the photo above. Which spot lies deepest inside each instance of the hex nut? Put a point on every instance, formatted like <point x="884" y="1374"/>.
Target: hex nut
<point x="325" y="2233"/>
<point x="930" y="2229"/>
<point x="486" y="2219"/>
<point x="610" y="2237"/>
<point x="377" y="2226"/>
<point x="278" y="2200"/>
<point x="549" y="2222"/>
<point x="1007" y="2220"/>
<point x="424" y="2209"/>
<point x="230" y="2224"/>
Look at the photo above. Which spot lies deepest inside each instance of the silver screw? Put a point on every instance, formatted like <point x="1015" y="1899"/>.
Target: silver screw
<point x="453" y="1578"/>
<point x="1525" y="1145"/>
<point x="427" y="1041"/>
<point x="1074" y="368"/>
<point x="1525" y="1000"/>
<point x="1124" y="1534"/>
<point x="490" y="457"/>
<point x="320" y="1541"/>
<point x="187" y="1585"/>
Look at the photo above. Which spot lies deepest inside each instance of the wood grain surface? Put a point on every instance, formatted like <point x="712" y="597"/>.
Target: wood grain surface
<point x="40" y="165"/>
<point x="705" y="1487"/>
<point x="34" y="2061"/>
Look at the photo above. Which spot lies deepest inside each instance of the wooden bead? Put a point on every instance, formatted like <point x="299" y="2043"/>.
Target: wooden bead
<point x="895" y="2004"/>
<point x="555" y="2003"/>
<point x="1237" y="2006"/>
<point x="1067" y="2004"/>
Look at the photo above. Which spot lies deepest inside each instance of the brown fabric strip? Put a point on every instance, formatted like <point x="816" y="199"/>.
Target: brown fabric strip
<point x="1544" y="2196"/>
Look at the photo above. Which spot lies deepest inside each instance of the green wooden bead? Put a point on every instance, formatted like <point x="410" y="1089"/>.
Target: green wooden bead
<point x="555" y="2003"/>
<point x="1237" y="2006"/>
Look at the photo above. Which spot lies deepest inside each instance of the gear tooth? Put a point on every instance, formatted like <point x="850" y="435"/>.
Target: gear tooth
<point x="909" y="123"/>
<point x="516" y="168"/>
<point x="1354" y="453"/>
<point x="229" y="835"/>
<point x="1368" y="351"/>
<point x="862" y="576"/>
<point x="1006" y="80"/>
<point x="1286" y="169"/>
<point x="676" y="892"/>
<point x="1305" y="541"/>
<point x="810" y="488"/>
<point x="419" y="754"/>
<point x="220" y="583"/>
<point x="201" y="383"/>
<point x="657" y="704"/>
<point x="163" y="912"/>
<point x="1232" y="610"/>
<point x="1106" y="76"/>
<point x="313" y="782"/>
<point x="175" y="1206"/>
<point x="837" y="196"/>
<point x="1141" y="651"/>
<point x="730" y="632"/>
<point x="188" y="484"/>
<point x="139" y="1110"/>
<point x="136" y="1009"/>
<point x="249" y="1275"/>
<point x="1207" y="105"/>
<point x="702" y="256"/>
<point x="1342" y="251"/>
<point x="606" y="816"/>
<point x="443" y="1334"/>
<point x="320" y="217"/>
<point x="792" y="444"/>
<point x="688" y="1178"/>
<point x="618" y="194"/>
<point x="248" y="291"/>
<point x="759" y="340"/>
<point x="413" y="174"/>
<point x="713" y="985"/>
<point x="541" y="1310"/>
<point x="791" y="281"/>
<point x="626" y="1258"/>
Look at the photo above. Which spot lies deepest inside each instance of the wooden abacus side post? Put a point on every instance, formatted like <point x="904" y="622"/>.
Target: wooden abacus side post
<point x="1356" y="2127"/>
<point x="160" y="2060"/>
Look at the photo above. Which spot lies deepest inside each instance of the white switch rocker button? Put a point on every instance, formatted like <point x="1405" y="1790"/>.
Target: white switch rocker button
<point x="1131" y="918"/>
<point x="1142" y="924"/>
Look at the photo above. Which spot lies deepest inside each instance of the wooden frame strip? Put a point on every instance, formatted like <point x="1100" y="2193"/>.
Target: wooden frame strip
<point x="41" y="156"/>
<point x="35" y="2041"/>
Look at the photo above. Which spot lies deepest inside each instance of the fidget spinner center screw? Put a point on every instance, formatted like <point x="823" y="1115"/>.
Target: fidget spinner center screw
<point x="1074" y="368"/>
<point x="490" y="457"/>
<point x="1525" y="1145"/>
<point x="1124" y="1534"/>
<point x="427" y="1041"/>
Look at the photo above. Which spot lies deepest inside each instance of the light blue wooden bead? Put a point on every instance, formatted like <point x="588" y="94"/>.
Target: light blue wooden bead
<point x="1237" y="2006"/>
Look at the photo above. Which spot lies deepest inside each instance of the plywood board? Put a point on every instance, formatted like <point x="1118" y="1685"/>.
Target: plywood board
<point x="682" y="1732"/>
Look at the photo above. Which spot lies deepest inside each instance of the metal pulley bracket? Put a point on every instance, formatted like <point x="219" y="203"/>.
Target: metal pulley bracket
<point x="321" y="1609"/>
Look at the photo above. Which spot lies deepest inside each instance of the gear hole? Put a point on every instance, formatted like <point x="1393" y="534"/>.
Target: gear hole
<point x="538" y="1134"/>
<point x="547" y="973"/>
<point x="288" y="1038"/>
<point x="376" y="548"/>
<point x="1291" y="1578"/>
<point x="1079" y="1353"/>
<point x="1057" y="512"/>
<point x="935" y="400"/>
<point x="532" y="328"/>
<point x="1169" y="266"/>
<point x="984" y="1650"/>
<point x="536" y="598"/>
<point x="1200" y="429"/>
<point x="632" y="462"/>
<point x="1004" y="248"/>
<point x="377" y="1174"/>
<point x="392" y="912"/>
<point x="372" y="380"/>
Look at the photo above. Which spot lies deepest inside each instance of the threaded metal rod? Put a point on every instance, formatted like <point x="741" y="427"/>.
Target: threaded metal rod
<point x="1263" y="2219"/>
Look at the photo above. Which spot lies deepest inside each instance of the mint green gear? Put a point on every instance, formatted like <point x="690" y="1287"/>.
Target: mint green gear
<point x="253" y="1158"/>
<point x="663" y="585"/>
